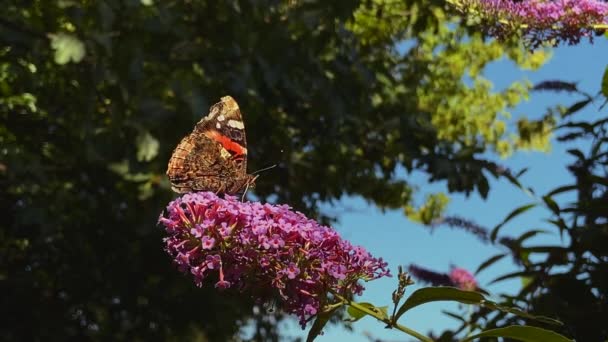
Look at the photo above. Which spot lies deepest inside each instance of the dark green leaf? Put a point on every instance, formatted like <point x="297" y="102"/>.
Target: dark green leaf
<point x="489" y="262"/>
<point x="577" y="153"/>
<point x="521" y="172"/>
<point x="483" y="187"/>
<point x="561" y="189"/>
<point x="551" y="204"/>
<point x="523" y="237"/>
<point x="576" y="107"/>
<point x="509" y="217"/>
<point x="436" y="294"/>
<point x="522" y="333"/>
<point x="319" y="324"/>
<point x="513" y="275"/>
<point x="520" y="313"/>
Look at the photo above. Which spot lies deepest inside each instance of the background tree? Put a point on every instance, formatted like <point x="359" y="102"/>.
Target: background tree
<point x="94" y="96"/>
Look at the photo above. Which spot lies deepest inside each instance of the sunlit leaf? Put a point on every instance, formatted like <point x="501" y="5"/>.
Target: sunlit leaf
<point x="147" y="146"/>
<point x="356" y="314"/>
<point x="67" y="47"/>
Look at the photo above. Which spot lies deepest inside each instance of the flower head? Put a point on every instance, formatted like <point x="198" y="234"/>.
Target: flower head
<point x="458" y="277"/>
<point x="255" y="247"/>
<point x="539" y="20"/>
<point x="430" y="277"/>
<point x="463" y="279"/>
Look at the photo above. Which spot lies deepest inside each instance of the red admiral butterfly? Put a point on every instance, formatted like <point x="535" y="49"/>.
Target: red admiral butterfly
<point x="214" y="156"/>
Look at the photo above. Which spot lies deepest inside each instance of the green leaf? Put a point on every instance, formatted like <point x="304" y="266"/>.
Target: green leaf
<point x="67" y="48"/>
<point x="523" y="237"/>
<point x="436" y="294"/>
<point x="521" y="172"/>
<point x="522" y="333"/>
<point x="320" y="322"/>
<point x="356" y="314"/>
<point x="147" y="146"/>
<point x="577" y="153"/>
<point x="605" y="83"/>
<point x="551" y="204"/>
<point x="514" y="275"/>
<point x="561" y="189"/>
<point x="576" y="107"/>
<point x="521" y="313"/>
<point x="121" y="168"/>
<point x="66" y="3"/>
<point x="489" y="262"/>
<point x="509" y="217"/>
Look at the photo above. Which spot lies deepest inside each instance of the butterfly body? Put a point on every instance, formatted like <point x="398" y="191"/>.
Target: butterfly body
<point x="214" y="156"/>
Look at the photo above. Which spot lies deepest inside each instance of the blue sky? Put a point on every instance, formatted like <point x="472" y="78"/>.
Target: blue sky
<point x="399" y="241"/>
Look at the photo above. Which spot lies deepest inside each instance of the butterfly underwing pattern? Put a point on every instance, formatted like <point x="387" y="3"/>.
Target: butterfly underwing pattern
<point x="214" y="156"/>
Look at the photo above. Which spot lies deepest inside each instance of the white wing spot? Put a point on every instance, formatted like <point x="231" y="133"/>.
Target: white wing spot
<point x="221" y="118"/>
<point x="236" y="124"/>
<point x="213" y="112"/>
<point x="225" y="154"/>
<point x="218" y="126"/>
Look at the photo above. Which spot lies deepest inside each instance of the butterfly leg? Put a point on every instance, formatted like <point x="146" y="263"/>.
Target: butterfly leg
<point x="245" y="193"/>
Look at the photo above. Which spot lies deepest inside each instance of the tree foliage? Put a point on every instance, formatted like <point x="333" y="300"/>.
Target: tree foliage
<point x="94" y="95"/>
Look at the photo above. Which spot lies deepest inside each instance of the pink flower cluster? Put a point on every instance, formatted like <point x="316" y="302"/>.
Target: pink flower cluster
<point x="267" y="251"/>
<point x="540" y="20"/>
<point x="463" y="279"/>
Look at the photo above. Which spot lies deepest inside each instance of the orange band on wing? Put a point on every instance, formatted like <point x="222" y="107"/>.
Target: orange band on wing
<point x="226" y="142"/>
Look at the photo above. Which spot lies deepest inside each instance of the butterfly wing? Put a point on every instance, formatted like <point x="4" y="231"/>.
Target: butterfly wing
<point x="214" y="156"/>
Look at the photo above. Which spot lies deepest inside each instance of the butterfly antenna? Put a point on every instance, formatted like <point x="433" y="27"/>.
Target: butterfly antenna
<point x="264" y="169"/>
<point x="247" y="187"/>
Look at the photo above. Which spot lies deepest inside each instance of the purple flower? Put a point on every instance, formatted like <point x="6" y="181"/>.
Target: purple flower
<point x="225" y="229"/>
<point x="430" y="277"/>
<point x="458" y="277"/>
<point x="539" y="21"/>
<point x="222" y="284"/>
<point x="208" y="242"/>
<point x="212" y="261"/>
<point x="338" y="271"/>
<point x="276" y="241"/>
<point x="292" y="271"/>
<point x="310" y="310"/>
<point x="267" y="251"/>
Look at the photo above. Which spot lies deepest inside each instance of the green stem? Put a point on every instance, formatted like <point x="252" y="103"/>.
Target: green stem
<point x="379" y="316"/>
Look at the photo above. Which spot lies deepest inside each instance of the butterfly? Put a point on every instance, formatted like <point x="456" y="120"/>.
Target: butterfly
<point x="214" y="156"/>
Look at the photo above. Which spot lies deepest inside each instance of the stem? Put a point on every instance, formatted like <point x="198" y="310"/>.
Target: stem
<point x="379" y="316"/>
